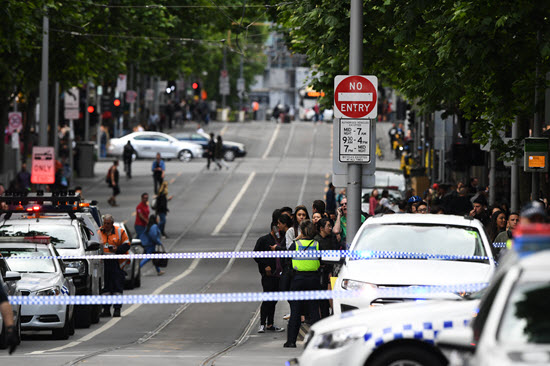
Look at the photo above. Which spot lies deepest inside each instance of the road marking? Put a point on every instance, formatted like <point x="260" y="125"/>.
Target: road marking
<point x="172" y="180"/>
<point x="125" y="313"/>
<point x="271" y="142"/>
<point x="224" y="129"/>
<point x="229" y="211"/>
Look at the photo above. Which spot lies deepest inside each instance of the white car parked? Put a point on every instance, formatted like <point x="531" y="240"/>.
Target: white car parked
<point x="440" y="236"/>
<point x="147" y="144"/>
<point x="41" y="277"/>
<point x="401" y="334"/>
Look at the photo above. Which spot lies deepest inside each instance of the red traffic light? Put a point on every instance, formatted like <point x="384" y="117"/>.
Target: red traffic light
<point x="91" y="109"/>
<point x="116" y="102"/>
<point x="195" y="85"/>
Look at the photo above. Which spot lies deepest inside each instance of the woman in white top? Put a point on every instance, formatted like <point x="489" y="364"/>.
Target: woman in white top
<point x="300" y="214"/>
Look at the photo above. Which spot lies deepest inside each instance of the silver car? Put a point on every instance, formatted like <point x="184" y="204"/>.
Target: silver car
<point x="147" y="144"/>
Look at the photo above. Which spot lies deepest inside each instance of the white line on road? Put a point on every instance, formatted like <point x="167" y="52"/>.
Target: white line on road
<point x="229" y="211"/>
<point x="271" y="142"/>
<point x="125" y="313"/>
<point x="224" y="129"/>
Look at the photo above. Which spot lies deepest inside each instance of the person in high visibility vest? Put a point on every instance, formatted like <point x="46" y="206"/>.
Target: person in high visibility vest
<point x="306" y="278"/>
<point x="115" y="241"/>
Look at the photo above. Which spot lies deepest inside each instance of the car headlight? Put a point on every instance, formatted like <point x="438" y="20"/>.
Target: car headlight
<point x="338" y="338"/>
<point x="80" y="265"/>
<point x="357" y="285"/>
<point x="50" y="291"/>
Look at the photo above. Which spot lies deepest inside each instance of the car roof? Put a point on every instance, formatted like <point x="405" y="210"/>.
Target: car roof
<point x="421" y="219"/>
<point x="536" y="261"/>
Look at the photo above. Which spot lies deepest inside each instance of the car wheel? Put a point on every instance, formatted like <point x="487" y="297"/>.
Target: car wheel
<point x="63" y="333"/>
<point x="137" y="280"/>
<point x="96" y="313"/>
<point x="407" y="356"/>
<point x="185" y="155"/>
<point x="229" y="155"/>
<point x="83" y="314"/>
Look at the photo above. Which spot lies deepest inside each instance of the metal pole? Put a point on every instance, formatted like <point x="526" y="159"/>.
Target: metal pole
<point x="43" y="133"/>
<point x="492" y="176"/>
<point x="71" y="152"/>
<point x="86" y="114"/>
<point x="225" y="69"/>
<point x="514" y="191"/>
<point x="240" y="77"/>
<point x="99" y="122"/>
<point x="355" y="170"/>
<point x="535" y="181"/>
<point x="56" y="121"/>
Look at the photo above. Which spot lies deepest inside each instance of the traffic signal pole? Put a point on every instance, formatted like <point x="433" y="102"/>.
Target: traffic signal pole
<point x="354" y="170"/>
<point x="43" y="131"/>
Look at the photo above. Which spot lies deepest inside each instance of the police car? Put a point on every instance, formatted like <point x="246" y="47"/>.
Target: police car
<point x="55" y="216"/>
<point x="41" y="277"/>
<point x="8" y="280"/>
<point x="512" y="326"/>
<point x="403" y="251"/>
<point x="400" y="334"/>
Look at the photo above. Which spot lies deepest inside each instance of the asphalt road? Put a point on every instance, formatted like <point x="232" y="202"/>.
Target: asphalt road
<point x="225" y="210"/>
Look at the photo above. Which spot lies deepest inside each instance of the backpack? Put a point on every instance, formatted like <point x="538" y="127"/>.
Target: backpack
<point x="108" y="177"/>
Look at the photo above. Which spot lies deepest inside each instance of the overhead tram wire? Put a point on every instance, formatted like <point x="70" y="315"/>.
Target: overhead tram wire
<point x="214" y="6"/>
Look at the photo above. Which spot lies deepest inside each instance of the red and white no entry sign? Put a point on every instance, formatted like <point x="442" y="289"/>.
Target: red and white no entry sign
<point x="355" y="96"/>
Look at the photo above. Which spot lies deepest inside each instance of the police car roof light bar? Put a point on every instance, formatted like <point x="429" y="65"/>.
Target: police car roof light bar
<point x="37" y="239"/>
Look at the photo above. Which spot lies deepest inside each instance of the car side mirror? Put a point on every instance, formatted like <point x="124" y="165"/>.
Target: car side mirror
<point x="457" y="345"/>
<point x="93" y="246"/>
<point x="70" y="272"/>
<point x="136" y="241"/>
<point x="12" y="276"/>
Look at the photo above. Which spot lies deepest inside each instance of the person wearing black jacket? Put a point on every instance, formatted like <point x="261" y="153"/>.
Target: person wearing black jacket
<point x="270" y="272"/>
<point x="128" y="156"/>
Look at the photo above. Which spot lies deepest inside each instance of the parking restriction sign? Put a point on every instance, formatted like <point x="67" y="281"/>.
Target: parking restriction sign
<point x="354" y="137"/>
<point x="43" y="165"/>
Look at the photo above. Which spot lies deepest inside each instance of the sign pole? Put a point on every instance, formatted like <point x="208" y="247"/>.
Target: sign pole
<point x="354" y="183"/>
<point x="71" y="152"/>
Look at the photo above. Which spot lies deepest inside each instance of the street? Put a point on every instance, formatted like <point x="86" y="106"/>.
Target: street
<point x="225" y="210"/>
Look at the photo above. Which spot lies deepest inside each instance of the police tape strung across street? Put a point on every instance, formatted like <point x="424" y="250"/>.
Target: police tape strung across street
<point x="352" y="254"/>
<point x="239" y="296"/>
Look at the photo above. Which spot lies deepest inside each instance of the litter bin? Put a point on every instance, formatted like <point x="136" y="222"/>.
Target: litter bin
<point x="85" y="159"/>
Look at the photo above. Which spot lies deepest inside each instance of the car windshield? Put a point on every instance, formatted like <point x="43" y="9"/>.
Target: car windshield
<point x="432" y="239"/>
<point x="28" y="265"/>
<point x="387" y="179"/>
<point x="525" y="319"/>
<point x="62" y="236"/>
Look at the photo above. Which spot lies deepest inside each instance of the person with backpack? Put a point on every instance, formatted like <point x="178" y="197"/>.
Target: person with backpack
<point x="150" y="238"/>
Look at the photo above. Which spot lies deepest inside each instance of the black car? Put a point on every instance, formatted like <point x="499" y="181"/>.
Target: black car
<point x="231" y="150"/>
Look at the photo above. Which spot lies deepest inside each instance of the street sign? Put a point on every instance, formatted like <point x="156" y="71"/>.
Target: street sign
<point x="131" y="96"/>
<point x="355" y="96"/>
<point x="149" y="95"/>
<point x="535" y="154"/>
<point x="71" y="102"/>
<point x="121" y="83"/>
<point x="43" y="165"/>
<point x="354" y="137"/>
<point x="15" y="122"/>
<point x="240" y="85"/>
<point x="224" y="83"/>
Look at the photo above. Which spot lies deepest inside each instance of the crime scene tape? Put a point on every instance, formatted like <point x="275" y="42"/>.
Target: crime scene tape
<point x="499" y="245"/>
<point x="241" y="296"/>
<point x="352" y="254"/>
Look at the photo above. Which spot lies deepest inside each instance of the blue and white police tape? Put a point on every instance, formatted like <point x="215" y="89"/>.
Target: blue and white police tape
<point x="352" y="254"/>
<point x="499" y="245"/>
<point x="411" y="291"/>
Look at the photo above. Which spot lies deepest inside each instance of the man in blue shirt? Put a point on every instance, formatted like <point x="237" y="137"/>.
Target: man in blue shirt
<point x="158" y="172"/>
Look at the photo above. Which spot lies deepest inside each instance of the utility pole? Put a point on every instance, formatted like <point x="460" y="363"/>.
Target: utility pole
<point x="224" y="69"/>
<point x="87" y="114"/>
<point x="535" y="176"/>
<point x="56" y="120"/>
<point x="355" y="170"/>
<point x="43" y="133"/>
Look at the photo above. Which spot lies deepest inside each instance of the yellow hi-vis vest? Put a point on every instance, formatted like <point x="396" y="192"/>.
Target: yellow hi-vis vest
<point x="306" y="264"/>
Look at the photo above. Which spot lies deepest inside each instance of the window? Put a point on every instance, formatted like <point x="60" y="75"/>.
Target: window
<point x="29" y="265"/>
<point x="485" y="308"/>
<point x="62" y="236"/>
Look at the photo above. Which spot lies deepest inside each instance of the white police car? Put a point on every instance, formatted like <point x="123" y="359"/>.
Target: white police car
<point x="415" y="250"/>
<point x="512" y="326"/>
<point x="398" y="335"/>
<point x="41" y="277"/>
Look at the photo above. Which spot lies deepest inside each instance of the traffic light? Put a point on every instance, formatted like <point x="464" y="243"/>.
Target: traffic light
<point x="117" y="107"/>
<point x="116" y="102"/>
<point x="91" y="109"/>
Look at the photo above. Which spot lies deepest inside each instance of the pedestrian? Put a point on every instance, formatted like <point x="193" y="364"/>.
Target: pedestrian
<point x="210" y="152"/>
<point x="316" y="217"/>
<point x="373" y="202"/>
<point x="103" y="139"/>
<point x="112" y="180"/>
<point x="24" y="178"/>
<point x="330" y="199"/>
<point x="150" y="238"/>
<point x="10" y="336"/>
<point x="300" y="214"/>
<point x="385" y="200"/>
<point x="142" y="214"/>
<point x="479" y="210"/>
<point x="270" y="271"/>
<point x="159" y="170"/>
<point x="306" y="278"/>
<point x="497" y="225"/>
<point x="153" y="122"/>
<point x="115" y="241"/>
<point x="340" y="225"/>
<point x="340" y="196"/>
<point x="219" y="151"/>
<point x="161" y="207"/>
<point x="421" y="207"/>
<point x="327" y="241"/>
<point x="318" y="206"/>
<point x="128" y="156"/>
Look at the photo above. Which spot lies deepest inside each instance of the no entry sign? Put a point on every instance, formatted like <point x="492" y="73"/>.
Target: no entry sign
<point x="355" y="96"/>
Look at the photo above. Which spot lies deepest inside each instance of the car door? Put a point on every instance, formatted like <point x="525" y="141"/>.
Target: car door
<point x="167" y="147"/>
<point x="142" y="144"/>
